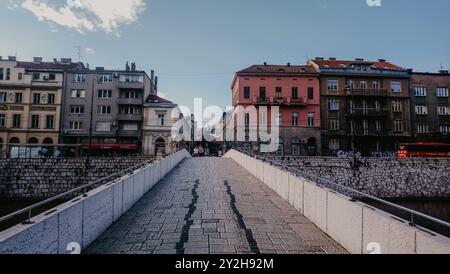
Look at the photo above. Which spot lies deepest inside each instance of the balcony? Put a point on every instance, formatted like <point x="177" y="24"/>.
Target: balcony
<point x="368" y="132"/>
<point x="46" y="84"/>
<point x="129" y="133"/>
<point x="367" y="92"/>
<point x="130" y="117"/>
<point x="131" y="85"/>
<point x="129" y="101"/>
<point x="367" y="113"/>
<point x="276" y="101"/>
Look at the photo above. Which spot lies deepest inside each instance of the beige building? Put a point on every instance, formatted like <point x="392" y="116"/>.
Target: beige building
<point x="30" y="100"/>
<point x="158" y="124"/>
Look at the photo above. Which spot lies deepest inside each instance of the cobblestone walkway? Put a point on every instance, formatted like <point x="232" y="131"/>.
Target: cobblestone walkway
<point x="212" y="206"/>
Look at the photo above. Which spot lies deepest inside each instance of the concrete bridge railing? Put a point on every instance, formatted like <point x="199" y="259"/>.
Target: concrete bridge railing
<point x="74" y="225"/>
<point x="358" y="227"/>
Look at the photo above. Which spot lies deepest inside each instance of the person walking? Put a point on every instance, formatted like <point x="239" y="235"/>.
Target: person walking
<point x="196" y="152"/>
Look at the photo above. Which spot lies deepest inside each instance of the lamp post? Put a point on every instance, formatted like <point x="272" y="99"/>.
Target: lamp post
<point x="91" y="116"/>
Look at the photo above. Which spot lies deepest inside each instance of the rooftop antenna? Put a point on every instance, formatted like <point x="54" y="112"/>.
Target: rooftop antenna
<point x="78" y="52"/>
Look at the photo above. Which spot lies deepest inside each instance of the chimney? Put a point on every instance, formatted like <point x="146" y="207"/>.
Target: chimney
<point x="265" y="64"/>
<point x="442" y="71"/>
<point x="127" y="67"/>
<point x="66" y="61"/>
<point x="332" y="59"/>
<point x="410" y="71"/>
<point x="288" y="64"/>
<point x="156" y="84"/>
<point x="37" y="60"/>
<point x="133" y="66"/>
<point x="381" y="60"/>
<point x="55" y="61"/>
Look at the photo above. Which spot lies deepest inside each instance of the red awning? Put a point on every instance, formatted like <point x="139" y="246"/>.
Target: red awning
<point x="112" y="146"/>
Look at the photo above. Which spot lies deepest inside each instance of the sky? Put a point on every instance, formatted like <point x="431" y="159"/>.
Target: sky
<point x="196" y="46"/>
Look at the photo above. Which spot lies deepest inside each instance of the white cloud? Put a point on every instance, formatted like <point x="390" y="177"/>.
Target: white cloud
<point x="85" y="15"/>
<point x="89" y="51"/>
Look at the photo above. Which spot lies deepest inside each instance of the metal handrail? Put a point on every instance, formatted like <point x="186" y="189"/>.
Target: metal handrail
<point x="408" y="210"/>
<point x="59" y="196"/>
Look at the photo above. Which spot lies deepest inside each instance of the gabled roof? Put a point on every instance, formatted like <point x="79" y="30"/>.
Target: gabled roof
<point x="340" y="64"/>
<point x="155" y="99"/>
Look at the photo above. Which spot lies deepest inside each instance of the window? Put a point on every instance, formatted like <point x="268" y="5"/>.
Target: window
<point x="104" y="93"/>
<point x="278" y="92"/>
<point x="396" y="87"/>
<point x="1" y="73"/>
<point x="376" y="85"/>
<point x="246" y="92"/>
<point x="36" y="98"/>
<point x="422" y="128"/>
<point x="333" y="104"/>
<point x="421" y="110"/>
<point x="443" y="110"/>
<point x="2" y="120"/>
<point x="52" y="76"/>
<point x="378" y="126"/>
<point x="130" y="110"/>
<point x="247" y="119"/>
<point x="49" y="122"/>
<point x="2" y="97"/>
<point x="76" y="109"/>
<point x="278" y="119"/>
<point x="105" y="78"/>
<point x="311" y="119"/>
<point x="310" y="93"/>
<point x="103" y="126"/>
<point x="444" y="129"/>
<point x="398" y="126"/>
<point x="161" y="119"/>
<point x="16" y="121"/>
<point x="294" y="119"/>
<point x="34" y="121"/>
<point x="103" y="109"/>
<point x="130" y="126"/>
<point x="420" y="91"/>
<point x="442" y="92"/>
<point x="333" y="124"/>
<point x="364" y="106"/>
<point x="18" y="98"/>
<point x="78" y="93"/>
<point x="79" y="78"/>
<point x="20" y="76"/>
<point x="76" y="125"/>
<point x="131" y="94"/>
<point x="333" y="144"/>
<point x="363" y="85"/>
<point x="397" y="106"/>
<point x="130" y="78"/>
<point x="365" y="127"/>
<point x="350" y="85"/>
<point x="8" y="74"/>
<point x="377" y="105"/>
<point x="294" y="93"/>
<point x="51" y="99"/>
<point x="263" y="118"/>
<point x="262" y="93"/>
<point x="36" y="76"/>
<point x="333" y="85"/>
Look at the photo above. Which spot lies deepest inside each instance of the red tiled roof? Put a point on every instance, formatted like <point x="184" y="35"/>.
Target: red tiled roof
<point x="380" y="64"/>
<point x="155" y="99"/>
<point x="278" y="69"/>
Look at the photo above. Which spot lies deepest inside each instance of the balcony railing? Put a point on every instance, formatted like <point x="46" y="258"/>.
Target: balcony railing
<point x="129" y="101"/>
<point x="279" y="101"/>
<point x="131" y="85"/>
<point x="367" y="92"/>
<point x="367" y="112"/>
<point x="130" y="117"/>
<point x="129" y="133"/>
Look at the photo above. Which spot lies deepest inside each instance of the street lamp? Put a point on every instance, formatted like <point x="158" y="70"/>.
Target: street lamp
<point x="95" y="78"/>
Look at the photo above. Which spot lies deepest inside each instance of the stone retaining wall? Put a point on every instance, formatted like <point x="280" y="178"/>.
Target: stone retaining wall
<point x="44" y="178"/>
<point x="385" y="178"/>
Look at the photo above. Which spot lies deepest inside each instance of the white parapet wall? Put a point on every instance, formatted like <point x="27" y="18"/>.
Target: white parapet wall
<point x="79" y="222"/>
<point x="358" y="227"/>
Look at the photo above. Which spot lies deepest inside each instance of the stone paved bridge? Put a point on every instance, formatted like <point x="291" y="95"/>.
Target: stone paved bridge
<point x="212" y="205"/>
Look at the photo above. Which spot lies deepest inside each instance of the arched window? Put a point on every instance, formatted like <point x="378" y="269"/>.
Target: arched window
<point x="33" y="140"/>
<point x="48" y="141"/>
<point x="14" y="140"/>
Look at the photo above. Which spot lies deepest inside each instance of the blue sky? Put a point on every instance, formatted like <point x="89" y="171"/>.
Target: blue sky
<point x="196" y="46"/>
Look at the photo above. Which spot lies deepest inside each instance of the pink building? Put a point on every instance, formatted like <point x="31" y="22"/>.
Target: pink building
<point x="296" y="90"/>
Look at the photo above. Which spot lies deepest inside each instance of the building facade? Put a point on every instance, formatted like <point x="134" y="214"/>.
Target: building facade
<point x="103" y="109"/>
<point x="30" y="100"/>
<point x="295" y="90"/>
<point x="160" y="115"/>
<point x="430" y="104"/>
<point x="364" y="104"/>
